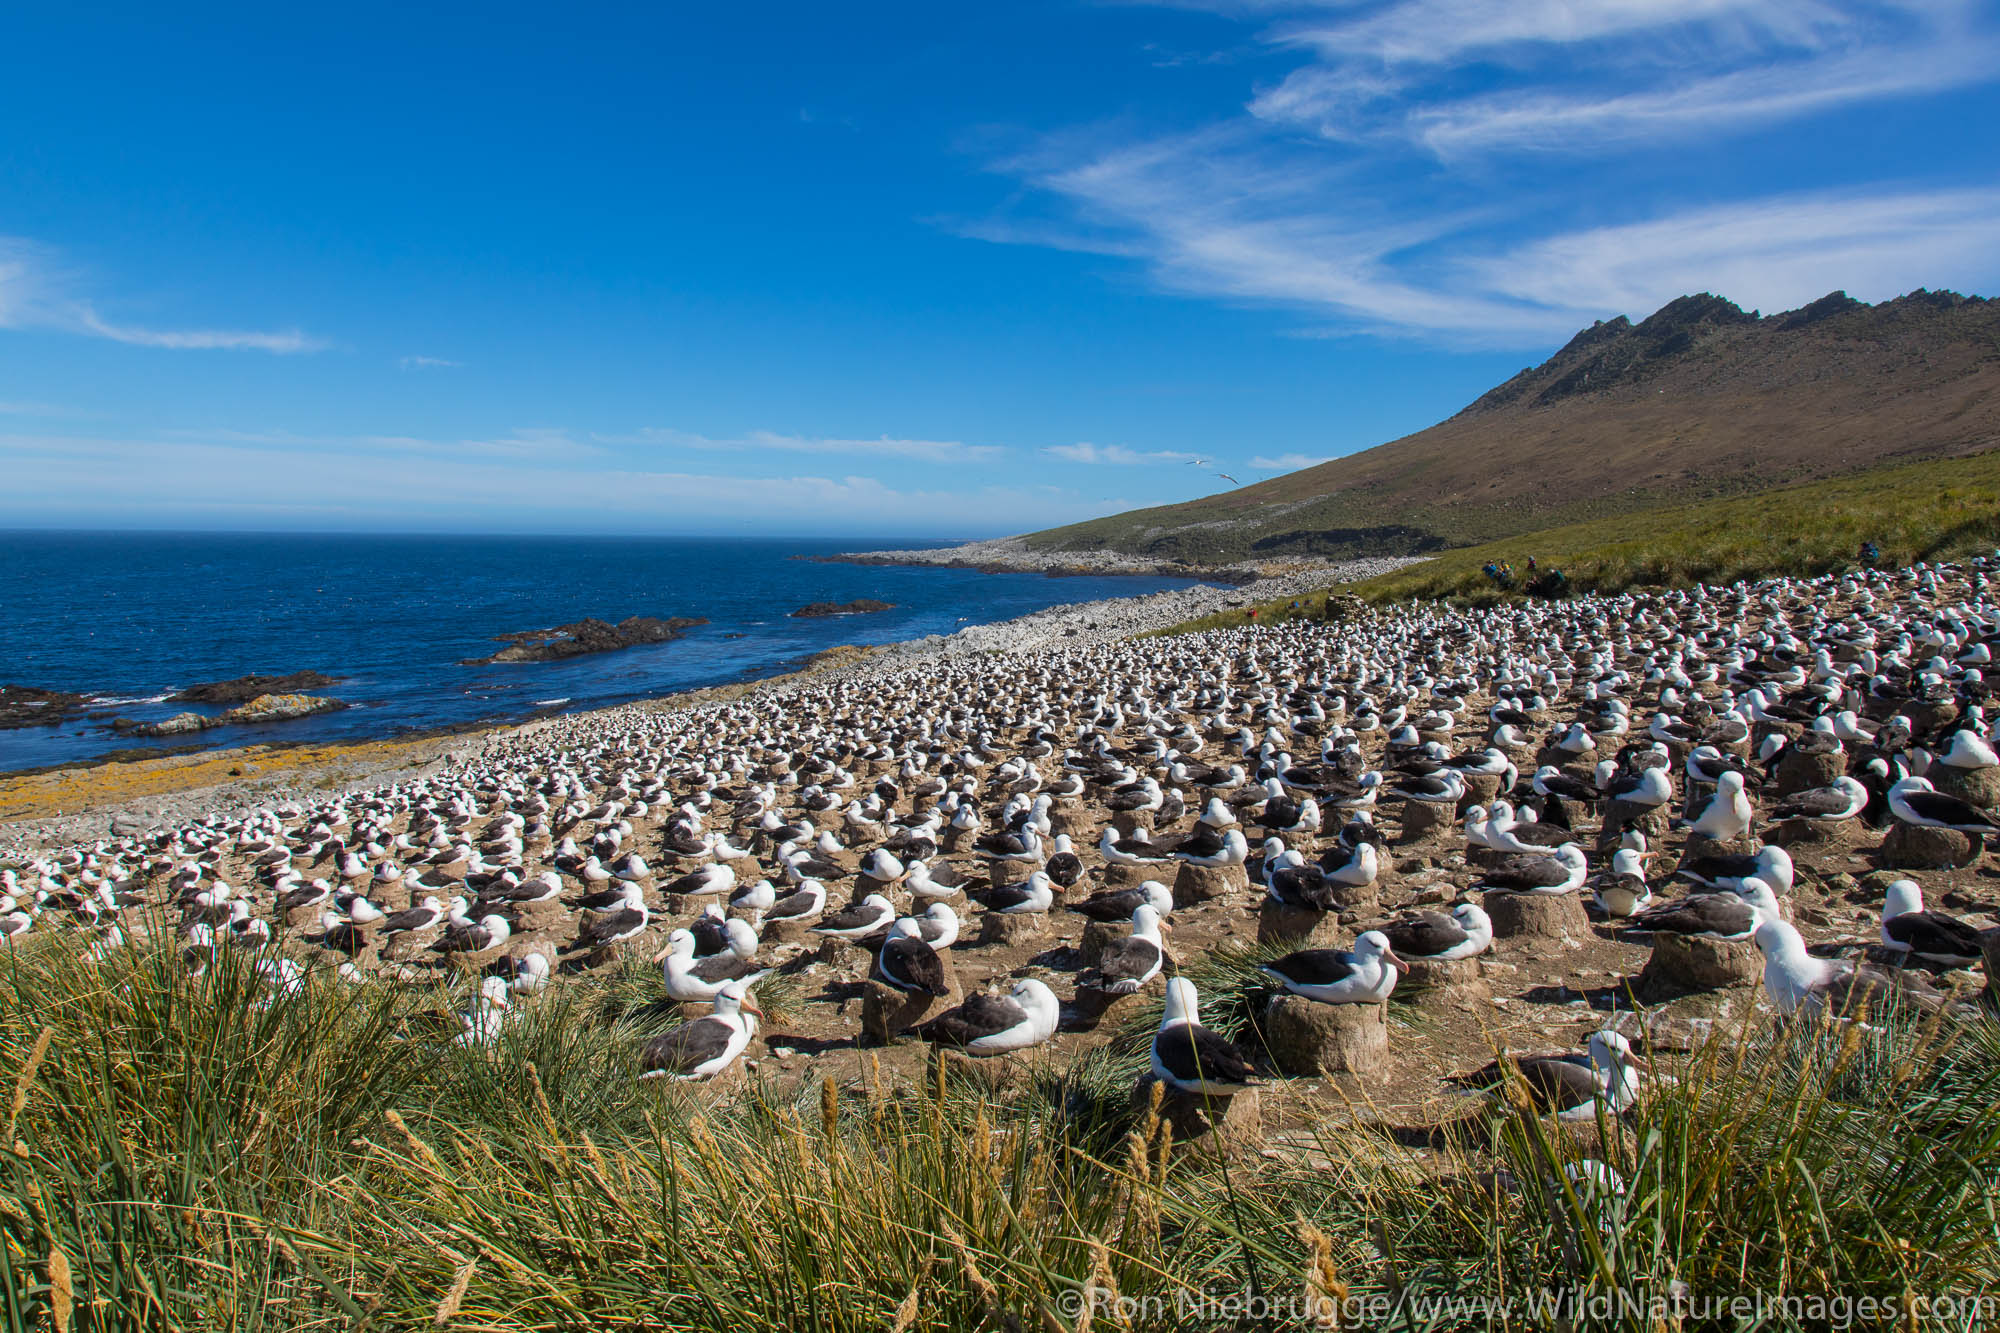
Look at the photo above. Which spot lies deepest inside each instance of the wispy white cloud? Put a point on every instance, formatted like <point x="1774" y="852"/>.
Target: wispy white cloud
<point x="1770" y="253"/>
<point x="1593" y="77"/>
<point x="1286" y="462"/>
<point x="1223" y="212"/>
<point x="1359" y="229"/>
<point x="427" y="363"/>
<point x="1115" y="454"/>
<point x="883" y="446"/>
<point x="38" y="289"/>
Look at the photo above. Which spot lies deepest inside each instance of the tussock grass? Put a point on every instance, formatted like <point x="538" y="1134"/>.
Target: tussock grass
<point x="1934" y="510"/>
<point x="195" y="1154"/>
<point x="1918" y="511"/>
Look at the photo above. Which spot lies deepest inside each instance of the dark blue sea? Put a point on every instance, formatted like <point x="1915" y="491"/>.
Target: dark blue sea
<point x="131" y="617"/>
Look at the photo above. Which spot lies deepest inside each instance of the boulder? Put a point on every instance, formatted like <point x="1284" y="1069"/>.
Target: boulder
<point x="1201" y="884"/>
<point x="1700" y="845"/>
<point x="1308" y="1038"/>
<point x="585" y="636"/>
<point x="1225" y="1126"/>
<point x="1123" y="875"/>
<point x="1277" y="922"/>
<point x="1802" y="772"/>
<point x="1915" y="847"/>
<point x="1010" y="928"/>
<point x="180" y="724"/>
<point x="1480" y="789"/>
<point x="1097" y="934"/>
<point x="1683" y="964"/>
<point x="887" y="1013"/>
<point x="1981" y="786"/>
<point x="777" y="933"/>
<point x="243" y="689"/>
<point x="1128" y="822"/>
<point x="860" y="606"/>
<point x="1090" y="1006"/>
<point x="1989" y="945"/>
<point x="1651" y="820"/>
<point x="1422" y="820"/>
<point x="1550" y="915"/>
<point x="1430" y="983"/>
<point x="1816" y="832"/>
<point x="1927" y="716"/>
<point x="1070" y="819"/>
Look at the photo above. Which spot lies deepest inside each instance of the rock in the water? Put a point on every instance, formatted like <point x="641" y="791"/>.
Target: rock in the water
<point x="245" y="688"/>
<point x="278" y="708"/>
<point x="586" y="636"/>
<point x="1544" y="914"/>
<point x="860" y="606"/>
<point x="27" y="706"/>
<point x="1308" y="1038"/>
<point x="180" y="724"/>
<point x="1682" y="964"/>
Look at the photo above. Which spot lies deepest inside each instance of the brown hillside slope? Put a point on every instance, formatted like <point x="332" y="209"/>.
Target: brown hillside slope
<point x="1700" y="399"/>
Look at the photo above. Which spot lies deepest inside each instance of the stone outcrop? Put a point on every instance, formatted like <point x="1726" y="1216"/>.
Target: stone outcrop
<point x="243" y="689"/>
<point x="26" y="706"/>
<point x="263" y="708"/>
<point x="860" y="606"/>
<point x="586" y="636"/>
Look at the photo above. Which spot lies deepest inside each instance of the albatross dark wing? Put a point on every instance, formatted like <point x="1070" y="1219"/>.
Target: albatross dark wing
<point x="1935" y="934"/>
<point x="678" y="1050"/>
<point x="913" y="965"/>
<point x="981" y="1015"/>
<point x="1313" y="967"/>
<point x="1424" y="935"/>
<point x="1193" y="1054"/>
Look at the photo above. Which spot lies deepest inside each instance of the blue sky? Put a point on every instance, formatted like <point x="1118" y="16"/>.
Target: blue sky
<point x="900" y="269"/>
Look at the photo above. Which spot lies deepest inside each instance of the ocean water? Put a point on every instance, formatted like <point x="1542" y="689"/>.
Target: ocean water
<point x="131" y="617"/>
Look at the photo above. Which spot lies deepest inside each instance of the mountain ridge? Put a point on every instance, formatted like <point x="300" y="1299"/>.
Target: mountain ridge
<point x="1700" y="398"/>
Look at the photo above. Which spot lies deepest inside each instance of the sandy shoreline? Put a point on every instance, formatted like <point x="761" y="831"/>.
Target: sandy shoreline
<point x="61" y="807"/>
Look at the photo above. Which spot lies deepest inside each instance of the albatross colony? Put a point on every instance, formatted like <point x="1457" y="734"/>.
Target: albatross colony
<point x="1598" y="775"/>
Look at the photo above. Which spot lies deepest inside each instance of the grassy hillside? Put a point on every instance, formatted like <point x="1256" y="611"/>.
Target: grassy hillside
<point x="1917" y="511"/>
<point x="1699" y="401"/>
